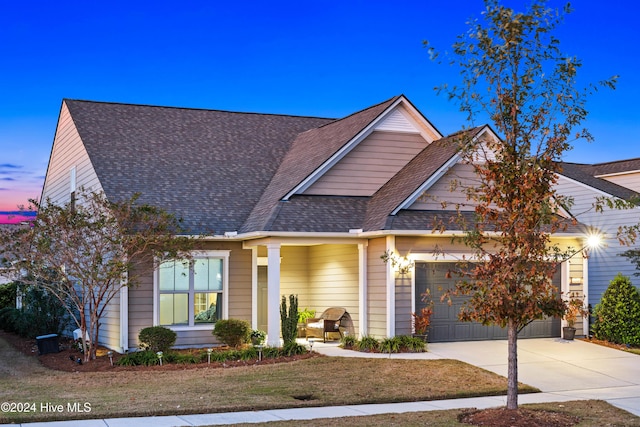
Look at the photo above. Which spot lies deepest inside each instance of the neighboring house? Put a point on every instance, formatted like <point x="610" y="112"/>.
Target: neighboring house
<point x="585" y="184"/>
<point x="7" y="275"/>
<point x="285" y="205"/>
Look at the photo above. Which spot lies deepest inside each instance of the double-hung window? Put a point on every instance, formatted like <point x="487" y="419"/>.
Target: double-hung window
<point x="192" y="293"/>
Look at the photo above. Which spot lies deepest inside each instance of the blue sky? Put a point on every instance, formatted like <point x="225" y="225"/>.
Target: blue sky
<point x="326" y="59"/>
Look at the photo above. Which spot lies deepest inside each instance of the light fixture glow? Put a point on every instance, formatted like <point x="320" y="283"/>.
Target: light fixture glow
<point x="594" y="241"/>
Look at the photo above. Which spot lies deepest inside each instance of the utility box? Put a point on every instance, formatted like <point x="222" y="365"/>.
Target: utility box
<point x="47" y="344"/>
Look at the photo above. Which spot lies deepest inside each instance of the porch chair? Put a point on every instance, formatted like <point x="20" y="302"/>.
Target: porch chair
<point x="332" y="320"/>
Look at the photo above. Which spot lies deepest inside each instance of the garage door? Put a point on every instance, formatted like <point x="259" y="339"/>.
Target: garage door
<point x="445" y="325"/>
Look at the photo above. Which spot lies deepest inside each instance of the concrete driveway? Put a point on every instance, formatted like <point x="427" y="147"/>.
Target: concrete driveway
<point x="567" y="368"/>
<point x="562" y="370"/>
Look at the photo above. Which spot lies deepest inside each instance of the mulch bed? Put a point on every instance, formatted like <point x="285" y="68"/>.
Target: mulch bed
<point x="622" y="347"/>
<point x="65" y="360"/>
<point x="502" y="417"/>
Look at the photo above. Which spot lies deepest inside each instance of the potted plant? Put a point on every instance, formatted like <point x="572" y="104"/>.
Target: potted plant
<point x="422" y="319"/>
<point x="574" y="308"/>
<point x="303" y="315"/>
<point x="257" y="336"/>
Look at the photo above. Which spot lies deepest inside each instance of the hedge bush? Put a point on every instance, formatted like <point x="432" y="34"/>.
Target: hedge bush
<point x="617" y="316"/>
<point x="157" y="338"/>
<point x="41" y="313"/>
<point x="232" y="332"/>
<point x="8" y="294"/>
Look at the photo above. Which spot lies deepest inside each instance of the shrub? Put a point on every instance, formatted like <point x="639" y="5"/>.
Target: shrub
<point x="270" y="352"/>
<point x="139" y="358"/>
<point x="156" y="338"/>
<point x="368" y="344"/>
<point x="41" y="313"/>
<point x="349" y="341"/>
<point x="617" y="316"/>
<point x="8" y="295"/>
<point x="412" y="344"/>
<point x="390" y="345"/>
<point x="292" y="348"/>
<point x="232" y="332"/>
<point x="289" y="318"/>
<point x="9" y="318"/>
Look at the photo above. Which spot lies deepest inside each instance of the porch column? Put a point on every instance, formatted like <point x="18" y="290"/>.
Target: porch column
<point x="586" y="327"/>
<point x="273" y="294"/>
<point x="124" y="317"/>
<point x="362" y="290"/>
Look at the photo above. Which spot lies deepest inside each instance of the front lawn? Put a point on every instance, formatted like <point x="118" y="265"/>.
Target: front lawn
<point x="591" y="413"/>
<point x="318" y="381"/>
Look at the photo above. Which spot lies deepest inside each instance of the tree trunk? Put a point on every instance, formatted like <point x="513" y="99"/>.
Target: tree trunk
<point x="512" y="373"/>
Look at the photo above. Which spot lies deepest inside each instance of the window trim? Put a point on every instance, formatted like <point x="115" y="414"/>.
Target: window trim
<point x="221" y="254"/>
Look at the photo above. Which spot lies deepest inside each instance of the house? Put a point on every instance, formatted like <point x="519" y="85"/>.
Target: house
<point x="284" y="205"/>
<point x="585" y="184"/>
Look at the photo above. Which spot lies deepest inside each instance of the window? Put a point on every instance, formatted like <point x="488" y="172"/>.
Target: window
<point x="192" y="293"/>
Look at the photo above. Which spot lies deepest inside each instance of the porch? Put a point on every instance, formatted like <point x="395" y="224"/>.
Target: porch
<point x="322" y="273"/>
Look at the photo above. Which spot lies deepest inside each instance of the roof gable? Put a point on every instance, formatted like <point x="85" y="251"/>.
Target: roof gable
<point x="308" y="152"/>
<point x="411" y="181"/>
<point x="384" y="112"/>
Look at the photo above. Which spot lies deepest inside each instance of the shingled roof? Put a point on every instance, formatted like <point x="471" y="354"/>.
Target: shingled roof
<point x="226" y="171"/>
<point x="586" y="174"/>
<point x="208" y="167"/>
<point x="618" y="166"/>
<point x="308" y="152"/>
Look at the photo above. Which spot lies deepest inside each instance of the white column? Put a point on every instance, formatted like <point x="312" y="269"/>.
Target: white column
<point x="124" y="317"/>
<point x="254" y="287"/>
<point x="362" y="290"/>
<point x="273" y="294"/>
<point x="585" y="291"/>
<point x="565" y="283"/>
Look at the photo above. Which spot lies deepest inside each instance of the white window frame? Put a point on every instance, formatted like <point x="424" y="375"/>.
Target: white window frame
<point x="224" y="255"/>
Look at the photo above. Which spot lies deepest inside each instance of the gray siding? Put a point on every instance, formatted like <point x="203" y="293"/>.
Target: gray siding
<point x="404" y="324"/>
<point x="140" y="303"/>
<point x="67" y="152"/>
<point x="449" y="189"/>
<point x="369" y="165"/>
<point x="109" y="334"/>
<point x="376" y="303"/>
<point x="605" y="262"/>
<point x="239" y="280"/>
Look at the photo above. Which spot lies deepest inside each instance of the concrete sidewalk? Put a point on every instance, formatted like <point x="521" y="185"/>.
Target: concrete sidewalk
<point x="232" y="418"/>
<point x="563" y="370"/>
